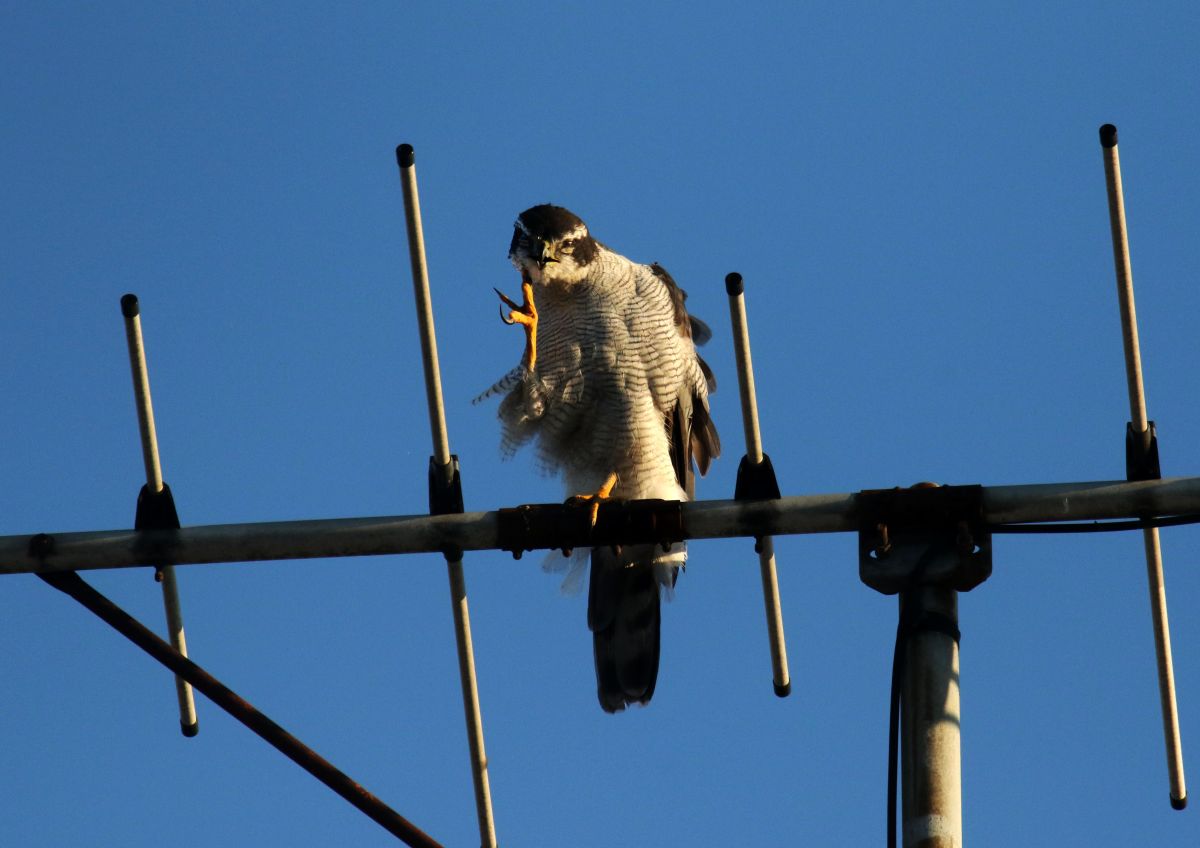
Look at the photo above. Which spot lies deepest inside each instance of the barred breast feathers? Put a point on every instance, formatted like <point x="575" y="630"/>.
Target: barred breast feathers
<point x="614" y="354"/>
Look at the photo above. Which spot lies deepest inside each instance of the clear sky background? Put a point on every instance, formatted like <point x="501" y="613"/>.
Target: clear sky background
<point x="916" y="200"/>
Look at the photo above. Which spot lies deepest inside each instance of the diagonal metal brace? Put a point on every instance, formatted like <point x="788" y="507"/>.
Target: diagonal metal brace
<point x="72" y="584"/>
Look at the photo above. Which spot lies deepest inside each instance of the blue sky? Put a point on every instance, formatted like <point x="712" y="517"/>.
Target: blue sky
<point x="915" y="197"/>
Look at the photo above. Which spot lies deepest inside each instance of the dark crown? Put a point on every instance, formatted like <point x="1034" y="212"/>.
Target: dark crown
<point x="549" y="222"/>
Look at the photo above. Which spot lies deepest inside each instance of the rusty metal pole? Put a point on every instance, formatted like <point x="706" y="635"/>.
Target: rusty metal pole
<point x="73" y="585"/>
<point x="930" y="733"/>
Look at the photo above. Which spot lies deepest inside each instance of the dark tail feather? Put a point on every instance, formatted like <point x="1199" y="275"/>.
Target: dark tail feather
<point x="624" y="616"/>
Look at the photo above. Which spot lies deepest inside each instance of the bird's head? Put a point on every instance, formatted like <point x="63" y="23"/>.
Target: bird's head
<point x="552" y="246"/>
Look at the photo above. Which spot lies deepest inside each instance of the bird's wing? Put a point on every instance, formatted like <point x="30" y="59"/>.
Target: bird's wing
<point x="690" y="327"/>
<point x="690" y="427"/>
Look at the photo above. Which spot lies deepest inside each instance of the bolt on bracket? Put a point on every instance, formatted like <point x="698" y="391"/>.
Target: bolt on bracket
<point x="923" y="535"/>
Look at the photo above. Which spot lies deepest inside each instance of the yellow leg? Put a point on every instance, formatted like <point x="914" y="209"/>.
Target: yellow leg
<point x="594" y="499"/>
<point x="526" y="315"/>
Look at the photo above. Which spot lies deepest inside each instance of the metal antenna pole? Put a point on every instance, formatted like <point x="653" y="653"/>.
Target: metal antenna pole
<point x="930" y="732"/>
<point x="1143" y="446"/>
<point x="156" y="493"/>
<point x="446" y="493"/>
<point x="755" y="464"/>
<point x="926" y="543"/>
<point x="551" y="526"/>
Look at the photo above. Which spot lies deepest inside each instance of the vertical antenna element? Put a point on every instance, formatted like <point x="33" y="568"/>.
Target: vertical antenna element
<point x="420" y="273"/>
<point x="1142" y="433"/>
<point x="1120" y="242"/>
<point x="156" y="506"/>
<point x="756" y="479"/>
<point x="446" y="493"/>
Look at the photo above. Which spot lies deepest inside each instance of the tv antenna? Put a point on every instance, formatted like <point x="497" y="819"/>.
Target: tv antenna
<point x="925" y="544"/>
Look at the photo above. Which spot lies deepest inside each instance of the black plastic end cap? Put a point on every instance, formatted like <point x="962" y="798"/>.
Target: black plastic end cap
<point x="190" y="730"/>
<point x="405" y="156"/>
<point x="784" y="690"/>
<point x="1108" y="135"/>
<point x="1178" y="803"/>
<point x="733" y="284"/>
<point x="129" y="305"/>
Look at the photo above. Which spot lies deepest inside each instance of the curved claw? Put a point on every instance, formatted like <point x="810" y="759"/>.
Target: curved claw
<point x="506" y="302"/>
<point x="506" y="299"/>
<point x="524" y="314"/>
<point x="592" y="500"/>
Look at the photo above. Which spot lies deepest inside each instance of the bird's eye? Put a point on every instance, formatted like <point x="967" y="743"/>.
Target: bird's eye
<point x="568" y="246"/>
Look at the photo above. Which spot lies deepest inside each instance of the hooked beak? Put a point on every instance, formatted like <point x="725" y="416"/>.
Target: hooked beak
<point x="545" y="253"/>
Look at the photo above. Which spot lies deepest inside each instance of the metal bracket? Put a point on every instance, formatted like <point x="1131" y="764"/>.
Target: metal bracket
<point x="445" y="496"/>
<point x="445" y="487"/>
<point x="756" y="482"/>
<point x="549" y="526"/>
<point x="927" y="534"/>
<point x="156" y="511"/>
<point x="1141" y="454"/>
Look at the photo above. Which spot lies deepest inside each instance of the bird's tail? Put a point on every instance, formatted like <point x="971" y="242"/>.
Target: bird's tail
<point x="624" y="615"/>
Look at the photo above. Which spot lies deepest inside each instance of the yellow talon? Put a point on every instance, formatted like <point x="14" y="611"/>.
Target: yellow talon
<point x="526" y="315"/>
<point x="593" y="500"/>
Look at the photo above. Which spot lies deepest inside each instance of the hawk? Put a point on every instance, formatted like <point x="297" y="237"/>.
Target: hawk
<point x="612" y="389"/>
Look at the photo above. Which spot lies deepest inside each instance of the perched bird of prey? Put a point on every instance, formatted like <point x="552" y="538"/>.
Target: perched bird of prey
<point x="612" y="389"/>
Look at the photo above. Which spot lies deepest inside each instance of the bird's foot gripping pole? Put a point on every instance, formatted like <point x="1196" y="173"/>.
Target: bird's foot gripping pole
<point x="592" y="500"/>
<point x="927" y="544"/>
<point x="524" y="314"/>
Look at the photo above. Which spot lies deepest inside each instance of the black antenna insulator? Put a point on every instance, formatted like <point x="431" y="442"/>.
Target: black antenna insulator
<point x="756" y="482"/>
<point x="1141" y="454"/>
<point x="156" y="510"/>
